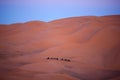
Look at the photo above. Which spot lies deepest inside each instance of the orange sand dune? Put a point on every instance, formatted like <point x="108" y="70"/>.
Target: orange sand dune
<point x="28" y="51"/>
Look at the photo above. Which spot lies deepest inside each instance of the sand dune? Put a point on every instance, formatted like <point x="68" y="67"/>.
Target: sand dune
<point x="92" y="44"/>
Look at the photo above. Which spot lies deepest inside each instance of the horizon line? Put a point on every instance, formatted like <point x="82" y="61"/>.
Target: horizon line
<point x="56" y="19"/>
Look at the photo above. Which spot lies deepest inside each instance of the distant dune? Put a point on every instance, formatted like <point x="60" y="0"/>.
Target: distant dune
<point x="76" y="48"/>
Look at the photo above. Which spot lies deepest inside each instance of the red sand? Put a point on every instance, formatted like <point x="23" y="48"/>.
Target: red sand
<point x="92" y="44"/>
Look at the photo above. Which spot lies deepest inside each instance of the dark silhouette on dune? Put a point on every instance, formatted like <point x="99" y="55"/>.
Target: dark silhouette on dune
<point x="48" y="58"/>
<point x="62" y="59"/>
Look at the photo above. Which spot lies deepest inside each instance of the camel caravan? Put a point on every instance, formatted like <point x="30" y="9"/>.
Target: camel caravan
<point x="61" y="59"/>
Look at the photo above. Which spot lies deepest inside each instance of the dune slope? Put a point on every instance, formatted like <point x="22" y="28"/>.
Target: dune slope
<point x="76" y="48"/>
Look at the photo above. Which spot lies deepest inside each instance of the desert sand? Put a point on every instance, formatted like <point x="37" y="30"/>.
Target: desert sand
<point x="76" y="48"/>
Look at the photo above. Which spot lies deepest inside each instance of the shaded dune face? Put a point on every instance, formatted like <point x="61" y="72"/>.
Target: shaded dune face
<point x="77" y="48"/>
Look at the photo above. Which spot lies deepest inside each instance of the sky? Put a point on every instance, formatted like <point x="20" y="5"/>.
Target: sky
<point x="17" y="11"/>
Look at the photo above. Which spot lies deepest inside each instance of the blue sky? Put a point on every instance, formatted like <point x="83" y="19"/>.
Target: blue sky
<point x="14" y="11"/>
